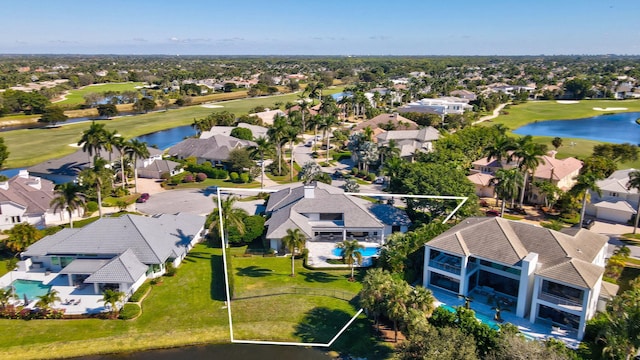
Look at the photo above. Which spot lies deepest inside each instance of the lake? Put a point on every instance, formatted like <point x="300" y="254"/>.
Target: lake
<point x="613" y="128"/>
<point x="222" y="351"/>
<point x="167" y="138"/>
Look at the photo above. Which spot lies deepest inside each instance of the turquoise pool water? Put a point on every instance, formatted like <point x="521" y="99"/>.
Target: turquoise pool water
<point x="32" y="289"/>
<point x="366" y="252"/>
<point x="483" y="318"/>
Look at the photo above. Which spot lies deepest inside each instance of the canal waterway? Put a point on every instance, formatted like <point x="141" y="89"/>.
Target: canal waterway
<point x="222" y="351"/>
<point x="613" y="128"/>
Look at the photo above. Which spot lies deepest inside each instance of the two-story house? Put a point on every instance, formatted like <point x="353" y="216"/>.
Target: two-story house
<point x="325" y="213"/>
<point x="547" y="276"/>
<point x="410" y="142"/>
<point x="615" y="202"/>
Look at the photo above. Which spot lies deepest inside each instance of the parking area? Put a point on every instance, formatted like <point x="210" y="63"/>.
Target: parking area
<point x="192" y="201"/>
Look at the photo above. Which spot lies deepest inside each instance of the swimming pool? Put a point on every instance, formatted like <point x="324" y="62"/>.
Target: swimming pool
<point x="29" y="288"/>
<point x="366" y="252"/>
<point x="483" y="318"/>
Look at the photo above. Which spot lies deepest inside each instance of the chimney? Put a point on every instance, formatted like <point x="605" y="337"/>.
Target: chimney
<point x="309" y="191"/>
<point x="4" y="185"/>
<point x="23" y="174"/>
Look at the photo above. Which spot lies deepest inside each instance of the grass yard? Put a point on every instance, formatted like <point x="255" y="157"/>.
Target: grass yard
<point x="522" y="114"/>
<point x="262" y="312"/>
<point x="76" y="96"/>
<point x="189" y="309"/>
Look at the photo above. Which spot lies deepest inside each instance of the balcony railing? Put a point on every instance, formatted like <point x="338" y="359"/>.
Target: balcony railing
<point x="559" y="300"/>
<point x="455" y="269"/>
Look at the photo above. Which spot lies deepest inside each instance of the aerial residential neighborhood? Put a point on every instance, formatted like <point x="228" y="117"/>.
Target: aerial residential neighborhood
<point x="262" y="180"/>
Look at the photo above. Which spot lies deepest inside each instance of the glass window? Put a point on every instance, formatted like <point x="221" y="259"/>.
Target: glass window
<point x="445" y="282"/>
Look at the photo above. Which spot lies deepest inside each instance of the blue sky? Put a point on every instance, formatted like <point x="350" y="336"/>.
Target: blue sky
<point x="327" y="27"/>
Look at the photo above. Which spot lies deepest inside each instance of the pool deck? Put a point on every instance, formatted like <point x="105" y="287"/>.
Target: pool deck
<point x="84" y="300"/>
<point x="321" y="251"/>
<point x="533" y="331"/>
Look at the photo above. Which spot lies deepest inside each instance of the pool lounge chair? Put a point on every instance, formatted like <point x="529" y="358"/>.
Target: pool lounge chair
<point x="77" y="302"/>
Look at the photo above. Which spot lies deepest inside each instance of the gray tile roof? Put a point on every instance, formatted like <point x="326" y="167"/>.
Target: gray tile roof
<point x="152" y="239"/>
<point x="617" y="182"/>
<point x="389" y="215"/>
<point x="125" y="268"/>
<point x="574" y="272"/>
<point x="84" y="266"/>
<point x="214" y="148"/>
<point x="288" y="206"/>
<point x="508" y="242"/>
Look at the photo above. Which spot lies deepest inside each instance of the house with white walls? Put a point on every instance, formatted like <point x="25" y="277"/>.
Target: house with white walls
<point x="546" y="276"/>
<point x="615" y="202"/>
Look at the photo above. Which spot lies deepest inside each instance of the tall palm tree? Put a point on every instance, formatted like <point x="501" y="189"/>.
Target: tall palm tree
<point x="137" y="149"/>
<point x="112" y="297"/>
<point x="396" y="303"/>
<point x="634" y="183"/>
<point x="585" y="182"/>
<point x="92" y="139"/>
<point x="389" y="151"/>
<point x="260" y="149"/>
<point x="500" y="148"/>
<point x="506" y="183"/>
<point x="231" y="216"/>
<point x="68" y="197"/>
<point x="351" y="253"/>
<point x="375" y="286"/>
<point x="45" y="301"/>
<point x="422" y="299"/>
<point x="294" y="240"/>
<point x="277" y="136"/>
<point x="325" y="125"/>
<point x="528" y="155"/>
<point x="93" y="177"/>
<point x="304" y="109"/>
<point x="291" y="135"/>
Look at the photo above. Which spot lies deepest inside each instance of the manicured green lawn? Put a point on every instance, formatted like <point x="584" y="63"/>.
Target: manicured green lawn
<point x="522" y="114"/>
<point x="216" y="182"/>
<point x="76" y="96"/>
<point x="189" y="309"/>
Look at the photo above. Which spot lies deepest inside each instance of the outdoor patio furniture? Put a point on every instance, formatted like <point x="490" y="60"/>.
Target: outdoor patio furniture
<point x="77" y="302"/>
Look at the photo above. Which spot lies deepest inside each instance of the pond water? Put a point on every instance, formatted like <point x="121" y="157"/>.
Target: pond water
<point x="167" y="138"/>
<point x="613" y="128"/>
<point x="222" y="351"/>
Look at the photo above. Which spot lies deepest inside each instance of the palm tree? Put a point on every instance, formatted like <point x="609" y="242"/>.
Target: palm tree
<point x="500" y="148"/>
<point x="291" y="135"/>
<point x="137" y="149"/>
<point x="93" y="177"/>
<point x="294" y="240"/>
<point x="422" y="299"/>
<point x="585" y="182"/>
<point x="634" y="183"/>
<point x="375" y="286"/>
<point x="528" y="155"/>
<point x="261" y="148"/>
<point x="231" y="216"/>
<point x="325" y="125"/>
<point x="111" y="140"/>
<point x="506" y="184"/>
<point x="6" y="295"/>
<point x="21" y="236"/>
<point x="389" y="151"/>
<point x="304" y="108"/>
<point x="68" y="197"/>
<point x="112" y="297"/>
<point x="45" y="301"/>
<point x="351" y="253"/>
<point x="92" y="139"/>
<point x="277" y="135"/>
<point x="396" y="303"/>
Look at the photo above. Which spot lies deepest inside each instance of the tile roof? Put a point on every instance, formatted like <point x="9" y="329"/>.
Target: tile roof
<point x="617" y="182"/>
<point x="152" y="239"/>
<point x="574" y="272"/>
<point x="32" y="193"/>
<point x="289" y="206"/>
<point x="508" y="242"/>
<point x="620" y="205"/>
<point x="481" y="179"/>
<point x="216" y="147"/>
<point x="124" y="268"/>
<point x="556" y="169"/>
<point x="401" y="122"/>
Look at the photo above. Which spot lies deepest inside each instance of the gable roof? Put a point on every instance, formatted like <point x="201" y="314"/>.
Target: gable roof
<point x="152" y="239"/>
<point x="617" y="182"/>
<point x="124" y="268"/>
<point x="508" y="242"/>
<point x="481" y="179"/>
<point x="556" y="169"/>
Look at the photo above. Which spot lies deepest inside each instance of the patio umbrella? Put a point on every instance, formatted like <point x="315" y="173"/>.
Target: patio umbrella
<point x="26" y="299"/>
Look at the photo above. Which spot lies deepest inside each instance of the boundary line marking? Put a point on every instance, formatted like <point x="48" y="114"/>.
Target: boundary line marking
<point x="226" y="275"/>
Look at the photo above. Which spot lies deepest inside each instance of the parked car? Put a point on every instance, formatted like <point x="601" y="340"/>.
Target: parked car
<point x="588" y="223"/>
<point x="492" y="213"/>
<point x="143" y="198"/>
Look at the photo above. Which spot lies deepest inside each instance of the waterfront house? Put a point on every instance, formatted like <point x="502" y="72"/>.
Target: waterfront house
<point x="214" y="149"/>
<point x="539" y="274"/>
<point x="393" y="121"/>
<point x="325" y="213"/>
<point x="115" y="253"/>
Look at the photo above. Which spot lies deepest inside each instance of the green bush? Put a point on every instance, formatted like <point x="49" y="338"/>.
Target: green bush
<point x="129" y="311"/>
<point x="341" y="156"/>
<point x="244" y="178"/>
<point x="234" y="177"/>
<point x="92" y="206"/>
<point x="207" y="169"/>
<point x="142" y="290"/>
<point x="371" y="177"/>
<point x="571" y="218"/>
<point x="171" y="270"/>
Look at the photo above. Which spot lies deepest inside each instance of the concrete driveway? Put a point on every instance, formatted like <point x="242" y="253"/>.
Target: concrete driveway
<point x="192" y="201"/>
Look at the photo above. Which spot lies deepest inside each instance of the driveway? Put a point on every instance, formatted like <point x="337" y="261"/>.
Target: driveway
<point x="192" y="201"/>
